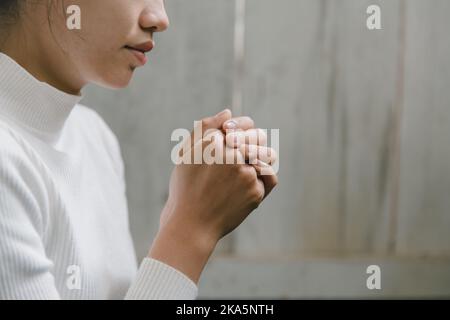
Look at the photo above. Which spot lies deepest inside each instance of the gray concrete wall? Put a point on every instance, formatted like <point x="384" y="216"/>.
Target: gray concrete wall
<point x="364" y="123"/>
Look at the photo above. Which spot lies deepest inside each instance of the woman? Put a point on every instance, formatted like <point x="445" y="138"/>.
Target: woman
<point x="63" y="212"/>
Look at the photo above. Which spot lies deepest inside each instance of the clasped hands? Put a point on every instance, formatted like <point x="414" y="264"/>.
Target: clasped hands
<point x="208" y="201"/>
<point x="249" y="144"/>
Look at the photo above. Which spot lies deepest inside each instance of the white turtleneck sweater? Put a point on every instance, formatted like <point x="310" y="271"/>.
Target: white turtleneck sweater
<point x="64" y="230"/>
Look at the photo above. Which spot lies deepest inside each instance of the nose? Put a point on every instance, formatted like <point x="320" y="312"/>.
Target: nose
<point x="154" y="17"/>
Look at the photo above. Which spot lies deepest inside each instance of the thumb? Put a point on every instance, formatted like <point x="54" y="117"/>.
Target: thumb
<point x="210" y="123"/>
<point x="214" y="122"/>
<point x="217" y="121"/>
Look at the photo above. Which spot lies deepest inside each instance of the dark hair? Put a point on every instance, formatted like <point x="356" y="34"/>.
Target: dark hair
<point x="9" y="10"/>
<point x="7" y="6"/>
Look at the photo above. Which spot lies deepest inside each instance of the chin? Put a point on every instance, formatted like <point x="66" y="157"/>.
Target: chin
<point x="117" y="80"/>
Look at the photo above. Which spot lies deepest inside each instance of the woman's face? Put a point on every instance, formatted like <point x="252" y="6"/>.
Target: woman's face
<point x="111" y="42"/>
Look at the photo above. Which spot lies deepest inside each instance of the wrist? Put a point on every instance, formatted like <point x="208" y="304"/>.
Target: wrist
<point x="183" y="248"/>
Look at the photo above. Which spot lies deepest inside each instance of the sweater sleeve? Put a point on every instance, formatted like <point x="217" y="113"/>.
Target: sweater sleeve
<point x="25" y="271"/>
<point x="158" y="281"/>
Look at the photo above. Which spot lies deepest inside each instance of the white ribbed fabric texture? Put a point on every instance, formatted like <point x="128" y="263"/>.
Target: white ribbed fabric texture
<point x="64" y="230"/>
<point x="154" y="274"/>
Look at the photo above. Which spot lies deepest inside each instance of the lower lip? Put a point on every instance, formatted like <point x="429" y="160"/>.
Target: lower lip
<point x="140" y="56"/>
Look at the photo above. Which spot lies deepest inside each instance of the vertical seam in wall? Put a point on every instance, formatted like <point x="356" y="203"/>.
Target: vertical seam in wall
<point x="238" y="79"/>
<point x="239" y="57"/>
<point x="398" y="112"/>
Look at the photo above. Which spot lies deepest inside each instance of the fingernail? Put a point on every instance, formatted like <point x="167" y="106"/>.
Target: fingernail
<point x="231" y="125"/>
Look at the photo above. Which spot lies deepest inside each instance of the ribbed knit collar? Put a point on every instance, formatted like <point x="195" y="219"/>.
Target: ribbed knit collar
<point x="31" y="103"/>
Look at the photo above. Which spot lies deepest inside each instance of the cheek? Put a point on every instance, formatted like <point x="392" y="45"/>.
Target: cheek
<point x="103" y="65"/>
<point x="99" y="59"/>
<point x="96" y="51"/>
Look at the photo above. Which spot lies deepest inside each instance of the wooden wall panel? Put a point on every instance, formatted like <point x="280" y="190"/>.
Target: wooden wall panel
<point x="315" y="71"/>
<point x="424" y="202"/>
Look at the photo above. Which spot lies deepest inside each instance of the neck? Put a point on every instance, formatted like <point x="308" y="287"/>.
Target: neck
<point x="43" y="59"/>
<point x="34" y="106"/>
<point x="41" y="71"/>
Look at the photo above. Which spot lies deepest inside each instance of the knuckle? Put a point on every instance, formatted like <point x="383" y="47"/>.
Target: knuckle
<point x="251" y="150"/>
<point x="267" y="155"/>
<point x="251" y="137"/>
<point x="275" y="181"/>
<point x="247" y="173"/>
<point x="262" y="136"/>
<point x="249" y="121"/>
<point x="242" y="171"/>
<point x="273" y="154"/>
<point x="237" y="169"/>
<point x="239" y="157"/>
<point x="256" y="197"/>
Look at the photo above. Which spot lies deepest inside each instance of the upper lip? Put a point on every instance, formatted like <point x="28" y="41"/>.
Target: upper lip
<point x="143" y="47"/>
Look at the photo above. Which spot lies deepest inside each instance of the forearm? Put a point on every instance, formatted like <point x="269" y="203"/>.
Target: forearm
<point x="183" y="249"/>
